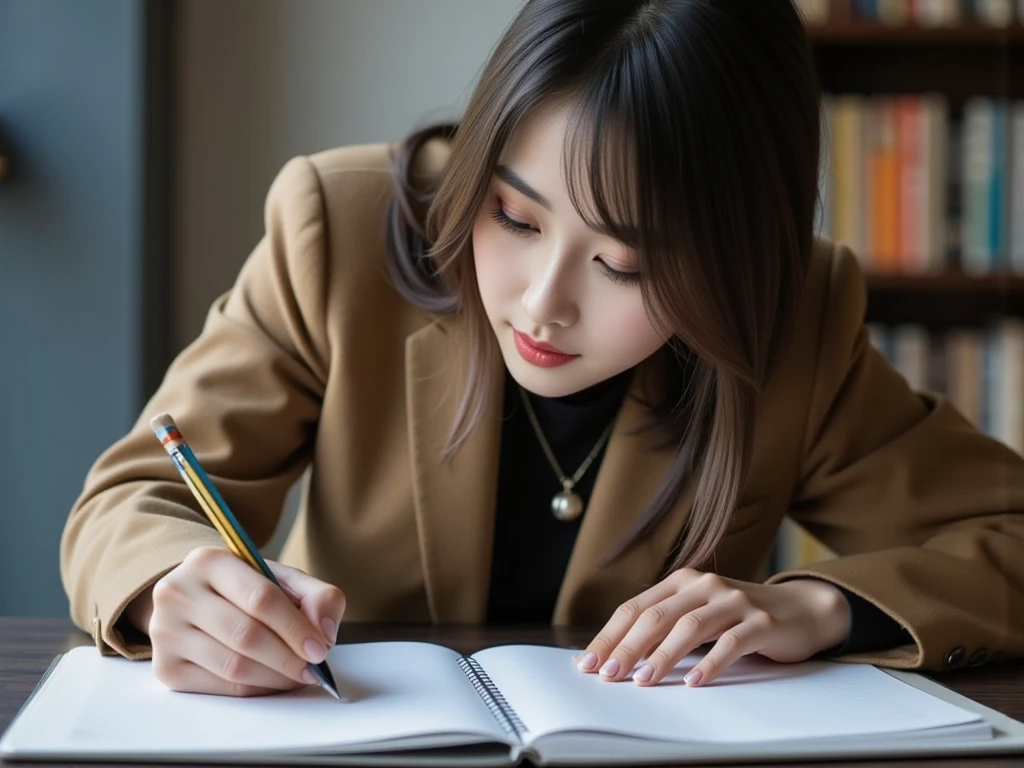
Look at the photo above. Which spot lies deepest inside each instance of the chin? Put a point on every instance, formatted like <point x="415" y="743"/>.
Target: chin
<point x="546" y="382"/>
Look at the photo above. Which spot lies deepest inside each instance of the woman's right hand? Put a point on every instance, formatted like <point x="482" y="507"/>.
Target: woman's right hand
<point x="218" y="626"/>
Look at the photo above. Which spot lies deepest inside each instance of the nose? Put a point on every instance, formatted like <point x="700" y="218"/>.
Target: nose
<point x="550" y="298"/>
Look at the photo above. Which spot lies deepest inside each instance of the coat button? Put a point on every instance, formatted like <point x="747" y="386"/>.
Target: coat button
<point x="955" y="656"/>
<point x="978" y="657"/>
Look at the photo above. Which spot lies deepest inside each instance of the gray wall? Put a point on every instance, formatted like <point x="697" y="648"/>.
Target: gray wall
<point x="263" y="80"/>
<point x="70" y="109"/>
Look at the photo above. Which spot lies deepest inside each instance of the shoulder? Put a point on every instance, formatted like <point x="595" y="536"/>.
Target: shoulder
<point x="334" y="206"/>
<point x="356" y="175"/>
<point x="346" y="190"/>
<point x="828" y="334"/>
<point x="834" y="302"/>
<point x="329" y="183"/>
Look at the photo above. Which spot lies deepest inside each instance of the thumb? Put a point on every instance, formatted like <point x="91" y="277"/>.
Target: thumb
<point x="322" y="603"/>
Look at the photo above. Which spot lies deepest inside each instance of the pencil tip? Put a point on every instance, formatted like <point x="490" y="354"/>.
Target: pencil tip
<point x="333" y="693"/>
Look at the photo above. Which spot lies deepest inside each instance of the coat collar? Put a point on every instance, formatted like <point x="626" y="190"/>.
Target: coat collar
<point x="455" y="501"/>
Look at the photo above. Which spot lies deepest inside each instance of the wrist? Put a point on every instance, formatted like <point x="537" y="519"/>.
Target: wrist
<point x="829" y="607"/>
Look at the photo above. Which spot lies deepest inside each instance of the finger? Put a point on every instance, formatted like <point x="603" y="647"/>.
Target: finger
<point x="322" y="603"/>
<point x="734" y="643"/>
<point x="650" y="629"/>
<point x="695" y="628"/>
<point x="234" y="667"/>
<point x="266" y="602"/>
<point x="239" y="632"/>
<point x="184" y="675"/>
<point x="625" y="616"/>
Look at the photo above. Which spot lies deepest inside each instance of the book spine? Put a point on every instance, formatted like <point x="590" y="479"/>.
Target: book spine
<point x="847" y="200"/>
<point x="493" y="698"/>
<point x="1016" y="182"/>
<point x="997" y="190"/>
<point x="976" y="184"/>
<point x="913" y="197"/>
<point x="938" y="170"/>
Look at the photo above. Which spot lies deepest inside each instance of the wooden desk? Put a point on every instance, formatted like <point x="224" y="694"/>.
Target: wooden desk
<point x="27" y="646"/>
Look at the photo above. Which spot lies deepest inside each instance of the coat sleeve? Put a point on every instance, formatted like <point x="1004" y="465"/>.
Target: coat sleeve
<point x="246" y="395"/>
<point x="925" y="512"/>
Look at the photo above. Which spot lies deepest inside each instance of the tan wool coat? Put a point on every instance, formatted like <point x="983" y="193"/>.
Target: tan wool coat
<point x="313" y="360"/>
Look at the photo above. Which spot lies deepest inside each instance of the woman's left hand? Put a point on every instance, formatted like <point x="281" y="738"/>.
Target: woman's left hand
<point x="786" y="622"/>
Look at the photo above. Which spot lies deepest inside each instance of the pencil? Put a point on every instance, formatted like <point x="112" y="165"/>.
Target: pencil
<point x="222" y="518"/>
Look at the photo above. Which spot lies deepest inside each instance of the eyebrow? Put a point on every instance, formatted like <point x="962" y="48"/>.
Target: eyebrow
<point x="519" y="184"/>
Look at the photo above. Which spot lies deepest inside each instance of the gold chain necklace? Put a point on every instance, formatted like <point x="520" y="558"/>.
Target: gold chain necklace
<point x="565" y="505"/>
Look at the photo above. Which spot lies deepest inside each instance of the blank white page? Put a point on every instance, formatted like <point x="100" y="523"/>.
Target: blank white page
<point x="754" y="700"/>
<point x="114" y="706"/>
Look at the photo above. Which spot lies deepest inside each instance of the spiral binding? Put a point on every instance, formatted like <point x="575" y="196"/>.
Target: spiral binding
<point x="503" y="713"/>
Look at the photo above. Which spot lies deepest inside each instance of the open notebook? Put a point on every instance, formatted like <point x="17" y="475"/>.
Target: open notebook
<point x="418" y="703"/>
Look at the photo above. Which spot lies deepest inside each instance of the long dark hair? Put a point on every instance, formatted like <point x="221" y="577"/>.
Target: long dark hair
<point x="694" y="136"/>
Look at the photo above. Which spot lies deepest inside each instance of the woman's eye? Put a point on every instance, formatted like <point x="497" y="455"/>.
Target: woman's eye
<point x="512" y="225"/>
<point x="618" y="276"/>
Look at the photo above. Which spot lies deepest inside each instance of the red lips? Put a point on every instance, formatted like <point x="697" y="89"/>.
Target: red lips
<point x="541" y="353"/>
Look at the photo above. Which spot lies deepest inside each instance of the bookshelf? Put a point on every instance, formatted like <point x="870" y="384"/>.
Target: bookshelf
<point x="949" y="318"/>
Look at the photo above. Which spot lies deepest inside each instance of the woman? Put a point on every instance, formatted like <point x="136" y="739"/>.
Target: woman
<point x="569" y="361"/>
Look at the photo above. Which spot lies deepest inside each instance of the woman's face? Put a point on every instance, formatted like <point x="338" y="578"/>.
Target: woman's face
<point x="563" y="299"/>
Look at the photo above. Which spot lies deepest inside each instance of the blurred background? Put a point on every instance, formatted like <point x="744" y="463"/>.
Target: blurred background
<point x="138" y="139"/>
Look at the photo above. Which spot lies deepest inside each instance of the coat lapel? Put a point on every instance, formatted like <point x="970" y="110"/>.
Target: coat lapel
<point x="630" y="474"/>
<point x="454" y="501"/>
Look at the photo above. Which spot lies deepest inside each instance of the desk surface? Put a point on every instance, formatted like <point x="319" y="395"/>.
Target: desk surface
<point x="27" y="646"/>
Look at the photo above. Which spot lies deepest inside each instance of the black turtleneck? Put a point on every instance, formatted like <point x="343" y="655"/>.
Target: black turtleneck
<point x="532" y="548"/>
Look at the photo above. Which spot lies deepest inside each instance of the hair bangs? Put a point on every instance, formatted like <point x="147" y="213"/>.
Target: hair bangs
<point x="614" y="168"/>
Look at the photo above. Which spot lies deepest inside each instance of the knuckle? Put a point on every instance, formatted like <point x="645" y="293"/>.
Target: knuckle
<point x="203" y="556"/>
<point x="660" y="659"/>
<point x="629" y="610"/>
<point x="161" y="634"/>
<point x="627" y="651"/>
<point x="234" y="667"/>
<point x="654" y="616"/>
<point x="731" y="641"/>
<point x="166" y="589"/>
<point x="602" y="645"/>
<point x="693" y="623"/>
<point x="245" y="635"/>
<point x="261" y="597"/>
<point x="711" y="581"/>
<point x="685" y="576"/>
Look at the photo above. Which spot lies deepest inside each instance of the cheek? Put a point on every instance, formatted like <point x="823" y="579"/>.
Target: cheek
<point x="495" y="273"/>
<point x="628" y="333"/>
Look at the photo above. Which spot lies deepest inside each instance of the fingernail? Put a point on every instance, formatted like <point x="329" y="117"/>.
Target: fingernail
<point x="307" y="677"/>
<point x="330" y="630"/>
<point x="644" y="674"/>
<point x="315" y="652"/>
<point x="693" y="677"/>
<point x="588" y="662"/>
<point x="610" y="668"/>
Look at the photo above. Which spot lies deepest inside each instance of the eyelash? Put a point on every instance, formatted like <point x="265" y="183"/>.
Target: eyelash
<point x="520" y="229"/>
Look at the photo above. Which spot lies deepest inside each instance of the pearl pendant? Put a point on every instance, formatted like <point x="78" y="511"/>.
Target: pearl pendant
<point x="566" y="506"/>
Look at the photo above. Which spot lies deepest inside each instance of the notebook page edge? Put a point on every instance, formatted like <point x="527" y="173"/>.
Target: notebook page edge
<point x="7" y="738"/>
